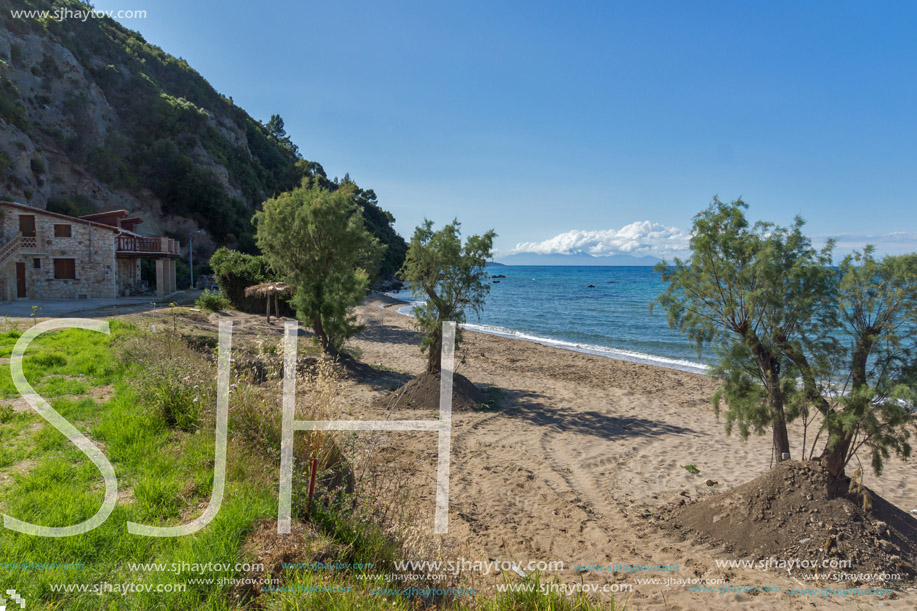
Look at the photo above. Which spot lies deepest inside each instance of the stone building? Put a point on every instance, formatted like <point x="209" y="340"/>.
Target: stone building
<point x="46" y="255"/>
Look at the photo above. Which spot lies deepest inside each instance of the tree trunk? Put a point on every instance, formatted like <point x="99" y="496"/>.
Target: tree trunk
<point x="835" y="459"/>
<point x="268" y="309"/>
<point x="435" y="352"/>
<point x="781" y="440"/>
<point x="323" y="341"/>
<point x="775" y="404"/>
<point x="770" y="365"/>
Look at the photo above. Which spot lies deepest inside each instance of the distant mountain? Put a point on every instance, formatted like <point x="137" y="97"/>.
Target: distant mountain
<point x="530" y="258"/>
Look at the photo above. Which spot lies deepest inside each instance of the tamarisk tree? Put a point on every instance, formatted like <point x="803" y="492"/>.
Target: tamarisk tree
<point x="450" y="277"/>
<point x="316" y="241"/>
<point x="795" y="336"/>
<point x="742" y="287"/>
<point x="857" y="361"/>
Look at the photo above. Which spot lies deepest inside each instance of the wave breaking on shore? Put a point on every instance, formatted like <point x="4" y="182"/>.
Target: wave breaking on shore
<point x="598" y="350"/>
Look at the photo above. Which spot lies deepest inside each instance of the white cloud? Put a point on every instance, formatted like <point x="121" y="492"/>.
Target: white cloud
<point x="637" y="239"/>
<point x="893" y="243"/>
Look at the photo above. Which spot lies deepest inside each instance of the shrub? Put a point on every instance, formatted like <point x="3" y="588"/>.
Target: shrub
<point x="256" y="419"/>
<point x="212" y="300"/>
<point x="176" y="400"/>
<point x="11" y="109"/>
<point x="234" y="272"/>
<point x="182" y="274"/>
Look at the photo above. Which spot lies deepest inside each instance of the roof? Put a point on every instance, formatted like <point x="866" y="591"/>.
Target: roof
<point x="33" y="210"/>
<point x="115" y="213"/>
<point x="266" y="289"/>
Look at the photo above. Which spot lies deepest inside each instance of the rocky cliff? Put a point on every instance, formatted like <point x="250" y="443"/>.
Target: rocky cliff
<point x="93" y="117"/>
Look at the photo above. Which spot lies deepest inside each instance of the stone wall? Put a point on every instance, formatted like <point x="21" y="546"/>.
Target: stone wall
<point x="92" y="248"/>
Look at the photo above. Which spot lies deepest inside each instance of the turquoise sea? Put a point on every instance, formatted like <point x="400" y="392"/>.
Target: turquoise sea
<point x="554" y="305"/>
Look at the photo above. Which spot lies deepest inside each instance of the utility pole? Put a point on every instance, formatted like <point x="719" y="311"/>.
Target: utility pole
<point x="191" y="254"/>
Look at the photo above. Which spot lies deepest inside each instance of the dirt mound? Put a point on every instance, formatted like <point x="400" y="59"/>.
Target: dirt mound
<point x="796" y="511"/>
<point x="423" y="393"/>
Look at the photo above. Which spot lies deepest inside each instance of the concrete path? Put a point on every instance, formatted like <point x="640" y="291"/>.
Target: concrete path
<point x="51" y="308"/>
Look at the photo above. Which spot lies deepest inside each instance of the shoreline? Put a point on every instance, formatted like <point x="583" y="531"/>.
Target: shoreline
<point x="631" y="356"/>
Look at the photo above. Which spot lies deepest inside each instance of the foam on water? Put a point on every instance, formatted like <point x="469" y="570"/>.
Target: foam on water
<point x="625" y="355"/>
<point x="615" y="353"/>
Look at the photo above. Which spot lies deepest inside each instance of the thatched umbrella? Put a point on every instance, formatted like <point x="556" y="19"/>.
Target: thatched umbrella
<point x="266" y="290"/>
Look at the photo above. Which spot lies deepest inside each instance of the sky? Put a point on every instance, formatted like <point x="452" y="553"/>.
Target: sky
<point x="602" y="127"/>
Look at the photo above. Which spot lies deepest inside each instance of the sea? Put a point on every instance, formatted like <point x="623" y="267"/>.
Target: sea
<point x="591" y="309"/>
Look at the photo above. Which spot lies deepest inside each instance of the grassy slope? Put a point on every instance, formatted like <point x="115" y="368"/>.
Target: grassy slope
<point x="159" y="474"/>
<point x="164" y="477"/>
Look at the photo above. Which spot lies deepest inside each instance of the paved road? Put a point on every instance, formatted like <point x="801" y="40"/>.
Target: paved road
<point x="51" y="308"/>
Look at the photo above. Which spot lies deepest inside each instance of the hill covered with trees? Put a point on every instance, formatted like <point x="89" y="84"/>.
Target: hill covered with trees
<point x="94" y="117"/>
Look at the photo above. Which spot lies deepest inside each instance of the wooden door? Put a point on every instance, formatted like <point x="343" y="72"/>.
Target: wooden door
<point x="20" y="280"/>
<point x="27" y="225"/>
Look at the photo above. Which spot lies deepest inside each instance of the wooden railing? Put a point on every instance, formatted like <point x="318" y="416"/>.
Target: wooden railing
<point x="141" y="245"/>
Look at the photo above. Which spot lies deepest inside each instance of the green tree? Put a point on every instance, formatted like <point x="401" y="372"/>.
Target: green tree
<point x="743" y="288"/>
<point x="316" y="241"/>
<point x="276" y="129"/>
<point x="857" y="362"/>
<point x="234" y="272"/>
<point x="793" y="334"/>
<point x="449" y="276"/>
<point x="380" y="223"/>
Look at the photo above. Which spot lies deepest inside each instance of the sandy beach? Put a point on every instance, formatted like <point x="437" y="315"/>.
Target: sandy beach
<point x="575" y="462"/>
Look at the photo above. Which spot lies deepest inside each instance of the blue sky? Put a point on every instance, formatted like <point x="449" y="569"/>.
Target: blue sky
<point x="542" y="118"/>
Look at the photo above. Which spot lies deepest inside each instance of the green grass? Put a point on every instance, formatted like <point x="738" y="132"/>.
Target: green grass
<point x="165" y="476"/>
<point x="17" y="441"/>
<point x="534" y="594"/>
<point x="160" y="474"/>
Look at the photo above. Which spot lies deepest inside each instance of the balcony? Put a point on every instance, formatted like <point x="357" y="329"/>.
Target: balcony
<point x="129" y="245"/>
<point x="31" y="244"/>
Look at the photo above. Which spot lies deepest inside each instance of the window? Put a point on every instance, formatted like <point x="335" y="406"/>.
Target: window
<point x="65" y="269"/>
<point x="36" y="263"/>
<point x="62" y="231"/>
<point x="27" y="225"/>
